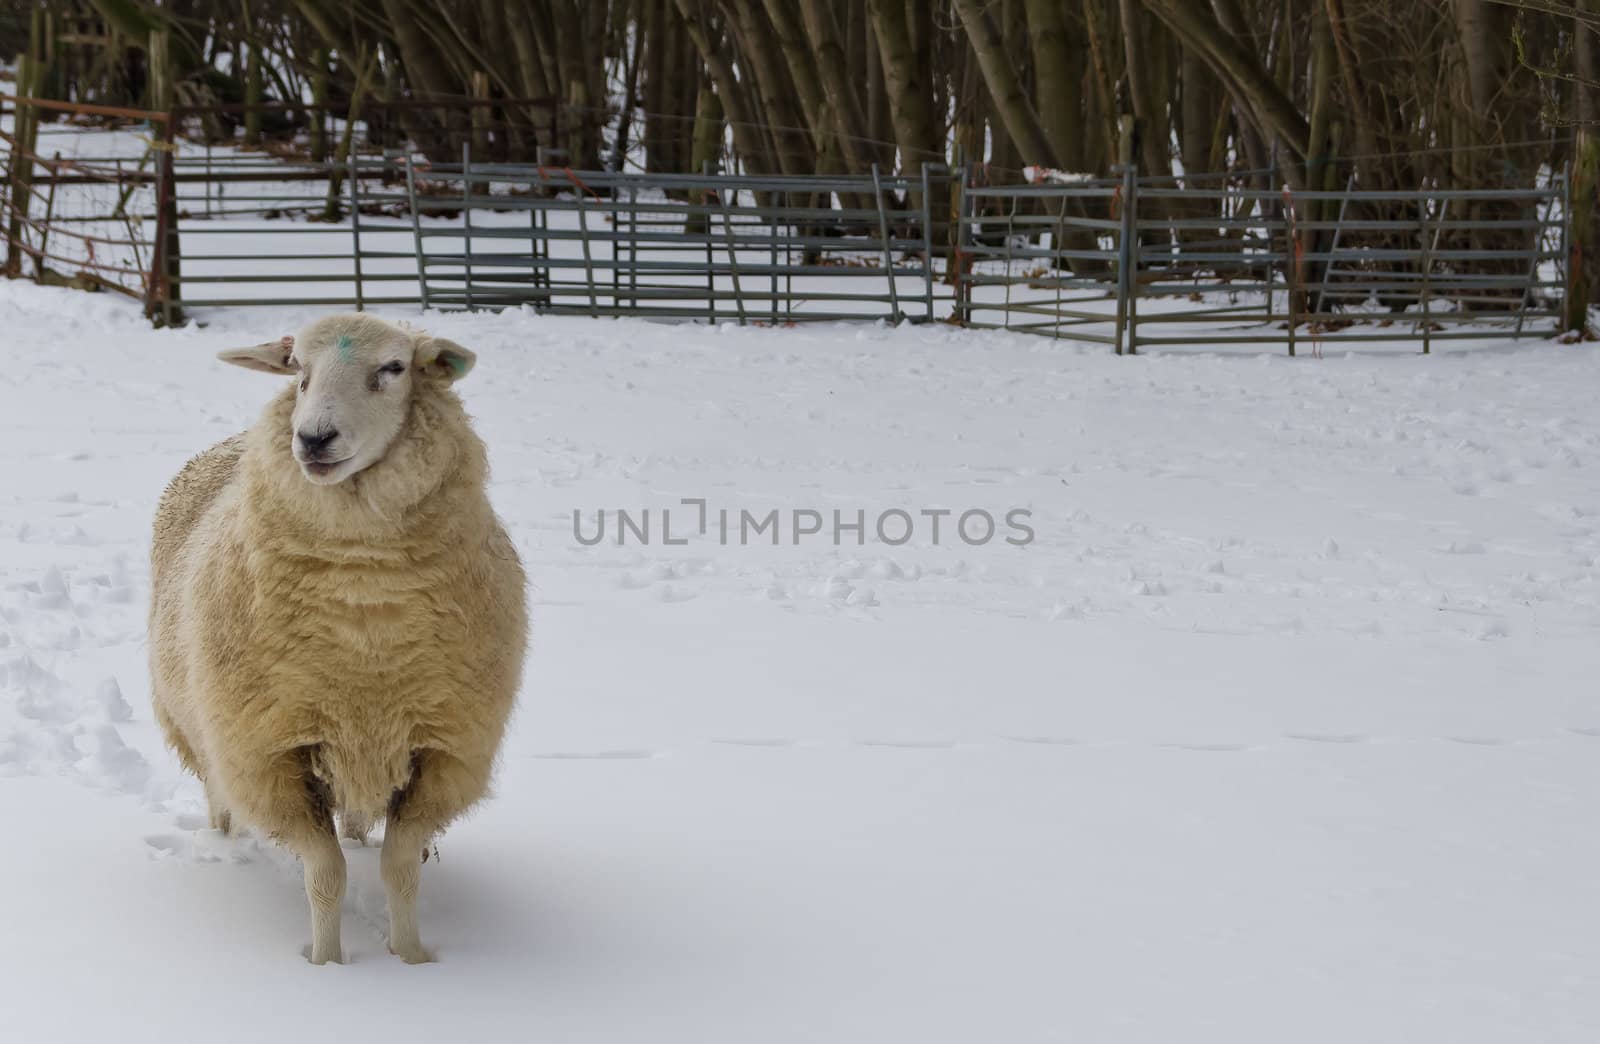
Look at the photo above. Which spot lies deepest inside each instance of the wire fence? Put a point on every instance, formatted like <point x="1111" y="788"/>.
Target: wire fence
<point x="1128" y="262"/>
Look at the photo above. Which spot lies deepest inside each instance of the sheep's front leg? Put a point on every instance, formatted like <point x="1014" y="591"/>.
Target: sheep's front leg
<point x="324" y="868"/>
<point x="284" y="796"/>
<point x="441" y="787"/>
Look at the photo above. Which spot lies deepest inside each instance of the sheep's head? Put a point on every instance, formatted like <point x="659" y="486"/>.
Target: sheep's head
<point x="357" y="377"/>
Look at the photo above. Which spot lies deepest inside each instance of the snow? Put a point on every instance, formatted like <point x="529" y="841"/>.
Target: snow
<point x="1281" y="728"/>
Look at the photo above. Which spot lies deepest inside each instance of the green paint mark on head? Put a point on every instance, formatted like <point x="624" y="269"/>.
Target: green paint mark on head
<point x="346" y="347"/>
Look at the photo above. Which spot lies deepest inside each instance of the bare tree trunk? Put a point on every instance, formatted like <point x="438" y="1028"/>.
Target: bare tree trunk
<point x="910" y="99"/>
<point x="1104" y="74"/>
<point x="1586" y="57"/>
<point x="1142" y="46"/>
<point x="1200" y="145"/>
<point x="1005" y="86"/>
<point x="531" y="77"/>
<point x="1239" y="68"/>
<point x="745" y="129"/>
<point x="879" y="126"/>
<point x="707" y="130"/>
<point x="798" y="152"/>
<point x="1058" y="69"/>
<point x="843" y="105"/>
<point x="1484" y="29"/>
<point x="788" y="36"/>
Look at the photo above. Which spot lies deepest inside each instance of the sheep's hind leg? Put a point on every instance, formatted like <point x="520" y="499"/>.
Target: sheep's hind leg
<point x="216" y="808"/>
<point x="401" y="860"/>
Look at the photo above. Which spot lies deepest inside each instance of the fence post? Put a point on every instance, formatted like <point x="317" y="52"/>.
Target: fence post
<point x="1427" y="271"/>
<point x="1058" y="264"/>
<point x="1291" y="268"/>
<point x="164" y="296"/>
<point x="1540" y="224"/>
<point x="733" y="254"/>
<point x="633" y="245"/>
<point x="1427" y="265"/>
<point x="772" y="217"/>
<point x="355" y="220"/>
<point x="1131" y="224"/>
<point x="1333" y="249"/>
<point x="1127" y="247"/>
<point x="963" y="311"/>
<point x="588" y="260"/>
<point x="888" y="253"/>
<point x="25" y="127"/>
<point x="1011" y="229"/>
<point x="172" y="262"/>
<point x="134" y="234"/>
<point x="44" y="226"/>
<point x="927" y="244"/>
<point x="690" y="221"/>
<point x="1580" y="197"/>
<point x="416" y="230"/>
<point x="466" y="218"/>
<point x="11" y="159"/>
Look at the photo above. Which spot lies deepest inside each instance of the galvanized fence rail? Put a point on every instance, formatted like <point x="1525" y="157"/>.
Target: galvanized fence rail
<point x="1202" y="261"/>
<point x="705" y="247"/>
<point x="711" y="246"/>
<point x="1126" y="262"/>
<point x="256" y="233"/>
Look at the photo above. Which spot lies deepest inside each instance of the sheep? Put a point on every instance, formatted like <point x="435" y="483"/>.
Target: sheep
<point x="338" y="619"/>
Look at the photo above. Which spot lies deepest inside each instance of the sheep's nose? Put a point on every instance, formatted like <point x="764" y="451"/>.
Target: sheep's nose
<point x="313" y="443"/>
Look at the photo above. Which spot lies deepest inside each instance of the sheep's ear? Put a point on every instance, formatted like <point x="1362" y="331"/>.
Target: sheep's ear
<point x="272" y="357"/>
<point x="438" y="357"/>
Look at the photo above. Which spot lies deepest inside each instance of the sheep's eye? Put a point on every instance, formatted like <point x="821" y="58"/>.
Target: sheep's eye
<point x="393" y="367"/>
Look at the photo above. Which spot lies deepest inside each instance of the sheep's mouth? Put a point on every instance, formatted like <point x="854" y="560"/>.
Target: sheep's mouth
<point x="323" y="468"/>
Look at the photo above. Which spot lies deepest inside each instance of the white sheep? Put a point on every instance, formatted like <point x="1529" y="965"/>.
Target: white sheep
<point x="338" y="619"/>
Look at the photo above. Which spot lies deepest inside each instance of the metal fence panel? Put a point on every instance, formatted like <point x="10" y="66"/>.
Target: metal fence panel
<point x="1127" y="262"/>
<point x="1216" y="263"/>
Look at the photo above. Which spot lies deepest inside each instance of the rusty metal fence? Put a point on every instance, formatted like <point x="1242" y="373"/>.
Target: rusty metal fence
<point x="77" y="220"/>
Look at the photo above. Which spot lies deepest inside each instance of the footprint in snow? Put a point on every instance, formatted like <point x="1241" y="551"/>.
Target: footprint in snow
<point x="1328" y="737"/>
<point x="597" y="755"/>
<point x="170" y="846"/>
<point x="931" y="744"/>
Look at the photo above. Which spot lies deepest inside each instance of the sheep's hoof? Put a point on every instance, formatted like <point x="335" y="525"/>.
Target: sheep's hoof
<point x="413" y="955"/>
<point x="314" y="957"/>
<point x="222" y="822"/>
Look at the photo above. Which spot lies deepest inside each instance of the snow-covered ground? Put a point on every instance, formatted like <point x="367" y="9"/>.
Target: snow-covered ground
<point x="1282" y="728"/>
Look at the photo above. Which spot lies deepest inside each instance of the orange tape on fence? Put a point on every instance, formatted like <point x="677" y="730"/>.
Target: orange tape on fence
<point x="86" y="109"/>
